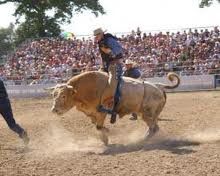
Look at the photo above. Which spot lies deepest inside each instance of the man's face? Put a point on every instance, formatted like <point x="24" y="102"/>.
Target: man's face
<point x="98" y="37"/>
<point x="128" y="66"/>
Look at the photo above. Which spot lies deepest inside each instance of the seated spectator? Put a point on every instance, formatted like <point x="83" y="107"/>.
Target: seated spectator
<point x="133" y="72"/>
<point x="188" y="52"/>
<point x="131" y="69"/>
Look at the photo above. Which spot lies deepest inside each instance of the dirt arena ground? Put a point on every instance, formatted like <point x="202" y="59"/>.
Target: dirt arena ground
<point x="188" y="143"/>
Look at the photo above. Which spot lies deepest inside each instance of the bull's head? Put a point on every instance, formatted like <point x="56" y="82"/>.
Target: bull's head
<point x="62" y="98"/>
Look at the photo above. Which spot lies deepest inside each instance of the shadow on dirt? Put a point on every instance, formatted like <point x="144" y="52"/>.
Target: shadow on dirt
<point x="175" y="146"/>
<point x="18" y="150"/>
<point x="166" y="120"/>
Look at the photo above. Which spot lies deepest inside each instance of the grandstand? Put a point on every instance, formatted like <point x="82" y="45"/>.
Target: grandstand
<point x="52" y="60"/>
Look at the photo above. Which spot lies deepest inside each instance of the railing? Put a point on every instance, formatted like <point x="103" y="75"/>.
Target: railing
<point x="188" y="83"/>
<point x="146" y="74"/>
<point x="217" y="81"/>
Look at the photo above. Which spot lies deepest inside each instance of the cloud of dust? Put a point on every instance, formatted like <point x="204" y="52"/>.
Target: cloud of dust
<point x="57" y="140"/>
<point x="134" y="140"/>
<point x="206" y="136"/>
<point x="135" y="136"/>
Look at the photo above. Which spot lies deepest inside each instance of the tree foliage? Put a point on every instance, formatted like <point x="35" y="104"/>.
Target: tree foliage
<point x="6" y="40"/>
<point x="44" y="17"/>
<point x="206" y="3"/>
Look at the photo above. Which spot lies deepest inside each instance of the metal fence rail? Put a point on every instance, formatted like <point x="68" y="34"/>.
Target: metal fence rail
<point x="188" y="83"/>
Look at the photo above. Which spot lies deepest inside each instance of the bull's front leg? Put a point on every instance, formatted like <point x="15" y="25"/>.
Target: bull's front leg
<point x="103" y="132"/>
<point x="93" y="119"/>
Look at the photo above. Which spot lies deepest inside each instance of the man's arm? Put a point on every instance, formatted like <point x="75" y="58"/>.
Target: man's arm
<point x="106" y="50"/>
<point x="114" y="48"/>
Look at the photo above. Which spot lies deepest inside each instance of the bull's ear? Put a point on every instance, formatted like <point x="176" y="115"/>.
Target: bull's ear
<point x="49" y="89"/>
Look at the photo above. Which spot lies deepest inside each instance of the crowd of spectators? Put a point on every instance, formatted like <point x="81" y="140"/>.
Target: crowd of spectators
<point x="191" y="52"/>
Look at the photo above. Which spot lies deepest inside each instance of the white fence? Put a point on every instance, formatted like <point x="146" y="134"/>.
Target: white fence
<point x="28" y="91"/>
<point x="199" y="82"/>
<point x="187" y="83"/>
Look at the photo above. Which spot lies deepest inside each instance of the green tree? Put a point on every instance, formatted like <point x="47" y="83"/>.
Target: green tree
<point x="44" y="17"/>
<point x="6" y="40"/>
<point x="29" y="30"/>
<point x="206" y="3"/>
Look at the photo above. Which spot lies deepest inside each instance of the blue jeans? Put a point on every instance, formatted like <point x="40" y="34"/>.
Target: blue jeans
<point x="115" y="82"/>
<point x="118" y="77"/>
<point x="6" y="112"/>
<point x="117" y="96"/>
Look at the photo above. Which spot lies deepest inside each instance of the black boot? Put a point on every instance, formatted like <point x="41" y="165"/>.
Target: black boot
<point x="113" y="117"/>
<point x="24" y="137"/>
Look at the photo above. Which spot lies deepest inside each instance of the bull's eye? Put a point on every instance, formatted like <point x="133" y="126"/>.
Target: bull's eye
<point x="64" y="96"/>
<point x="55" y="94"/>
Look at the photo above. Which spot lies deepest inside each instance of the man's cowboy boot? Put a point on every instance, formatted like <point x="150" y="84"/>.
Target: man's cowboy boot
<point x="113" y="117"/>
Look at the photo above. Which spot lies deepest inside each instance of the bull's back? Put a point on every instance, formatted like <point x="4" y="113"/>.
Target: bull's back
<point x="132" y="91"/>
<point x="153" y="96"/>
<point x="137" y="95"/>
<point x="89" y="86"/>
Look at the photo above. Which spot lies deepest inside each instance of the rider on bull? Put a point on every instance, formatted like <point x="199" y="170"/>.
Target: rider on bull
<point x="111" y="53"/>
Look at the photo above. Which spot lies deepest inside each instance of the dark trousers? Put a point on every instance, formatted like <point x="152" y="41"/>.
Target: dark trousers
<point x="117" y="94"/>
<point x="6" y="112"/>
<point x="114" y="86"/>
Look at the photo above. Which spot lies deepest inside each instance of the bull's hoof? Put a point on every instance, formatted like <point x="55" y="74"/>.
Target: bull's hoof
<point x="105" y="141"/>
<point x="151" y="132"/>
<point x="104" y="138"/>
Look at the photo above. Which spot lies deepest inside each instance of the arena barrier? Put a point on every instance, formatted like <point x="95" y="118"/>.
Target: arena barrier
<point x="188" y="83"/>
<point x="28" y="91"/>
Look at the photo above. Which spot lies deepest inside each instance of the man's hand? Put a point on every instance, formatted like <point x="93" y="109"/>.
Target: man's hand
<point x="106" y="50"/>
<point x="101" y="69"/>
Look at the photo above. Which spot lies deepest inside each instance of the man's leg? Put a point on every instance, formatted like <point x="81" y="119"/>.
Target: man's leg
<point x="117" y="94"/>
<point x="6" y="112"/>
<point x="113" y="88"/>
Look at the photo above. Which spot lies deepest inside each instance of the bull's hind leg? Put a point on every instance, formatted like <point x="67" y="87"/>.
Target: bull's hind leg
<point x="153" y="127"/>
<point x="103" y="132"/>
<point x="151" y="118"/>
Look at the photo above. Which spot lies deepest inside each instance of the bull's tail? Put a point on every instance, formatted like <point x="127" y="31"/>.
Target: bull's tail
<point x="173" y="77"/>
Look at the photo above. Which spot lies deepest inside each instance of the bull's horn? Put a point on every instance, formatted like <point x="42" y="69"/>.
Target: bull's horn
<point x="69" y="86"/>
<point x="49" y="88"/>
<point x="72" y="88"/>
<point x="60" y="85"/>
